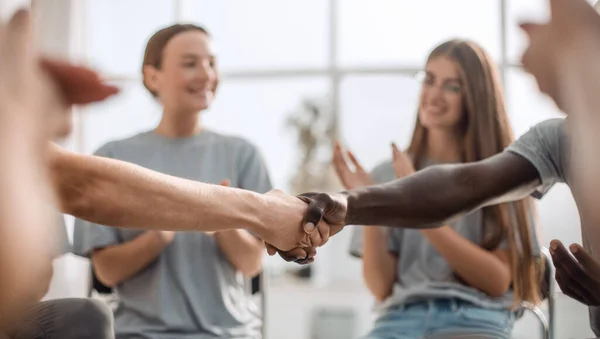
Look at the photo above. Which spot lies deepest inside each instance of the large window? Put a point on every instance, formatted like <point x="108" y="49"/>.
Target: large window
<point x="273" y="54"/>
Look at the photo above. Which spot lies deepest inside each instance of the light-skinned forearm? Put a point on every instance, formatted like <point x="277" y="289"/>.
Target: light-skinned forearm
<point x="438" y="194"/>
<point x="120" y="194"/>
<point x="243" y="250"/>
<point x="117" y="263"/>
<point x="379" y="265"/>
<point x="481" y="269"/>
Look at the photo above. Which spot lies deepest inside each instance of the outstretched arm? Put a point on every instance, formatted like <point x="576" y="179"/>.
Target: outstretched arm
<point x="432" y="197"/>
<point x="436" y="195"/>
<point x="111" y="192"/>
<point x="115" y="193"/>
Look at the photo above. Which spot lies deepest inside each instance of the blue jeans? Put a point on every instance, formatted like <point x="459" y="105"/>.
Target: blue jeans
<point x="442" y="319"/>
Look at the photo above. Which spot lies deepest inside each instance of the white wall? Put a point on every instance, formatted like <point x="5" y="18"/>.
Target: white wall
<point x="7" y="7"/>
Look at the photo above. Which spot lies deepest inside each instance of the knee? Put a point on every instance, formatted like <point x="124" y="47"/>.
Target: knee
<point x="95" y="317"/>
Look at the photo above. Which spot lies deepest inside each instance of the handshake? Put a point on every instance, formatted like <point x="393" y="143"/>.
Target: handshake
<point x="295" y="226"/>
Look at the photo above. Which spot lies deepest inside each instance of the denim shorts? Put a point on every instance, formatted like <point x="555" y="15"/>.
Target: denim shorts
<point x="447" y="318"/>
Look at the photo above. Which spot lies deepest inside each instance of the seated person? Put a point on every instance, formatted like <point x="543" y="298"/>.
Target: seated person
<point x="181" y="284"/>
<point x="461" y="278"/>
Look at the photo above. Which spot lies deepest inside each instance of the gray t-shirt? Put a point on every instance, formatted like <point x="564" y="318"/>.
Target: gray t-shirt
<point x="422" y="273"/>
<point x="546" y="147"/>
<point x="190" y="290"/>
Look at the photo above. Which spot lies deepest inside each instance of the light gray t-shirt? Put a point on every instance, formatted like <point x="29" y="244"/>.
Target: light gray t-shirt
<point x="546" y="147"/>
<point x="191" y="290"/>
<point x="422" y="273"/>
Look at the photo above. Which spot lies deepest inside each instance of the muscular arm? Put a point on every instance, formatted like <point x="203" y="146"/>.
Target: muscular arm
<point x="111" y="192"/>
<point x="438" y="194"/>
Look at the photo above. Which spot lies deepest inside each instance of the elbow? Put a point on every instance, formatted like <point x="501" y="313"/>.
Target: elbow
<point x="105" y="278"/>
<point x="103" y="272"/>
<point x="251" y="272"/>
<point x="380" y="290"/>
<point x="499" y="288"/>
<point x="381" y="294"/>
<point x="251" y="268"/>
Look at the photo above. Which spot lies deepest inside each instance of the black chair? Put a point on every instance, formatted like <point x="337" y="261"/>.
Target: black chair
<point x="98" y="286"/>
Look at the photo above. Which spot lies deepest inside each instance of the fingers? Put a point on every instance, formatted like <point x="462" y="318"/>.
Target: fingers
<point x="324" y="233"/>
<point x="569" y="288"/>
<point x="271" y="250"/>
<point x="79" y="85"/>
<point x="298" y="255"/>
<point x="572" y="274"/>
<point x="339" y="164"/>
<point x="355" y="162"/>
<point x="315" y="211"/>
<point x="396" y="154"/>
<point x="295" y="254"/>
<point x="562" y="259"/>
<point x="584" y="258"/>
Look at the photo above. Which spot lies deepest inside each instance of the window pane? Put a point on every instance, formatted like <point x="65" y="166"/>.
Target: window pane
<point x="376" y="110"/>
<point x="129" y="113"/>
<point x="257" y="110"/>
<point x="265" y="34"/>
<point x="118" y="30"/>
<point x="526" y="105"/>
<point x="403" y="32"/>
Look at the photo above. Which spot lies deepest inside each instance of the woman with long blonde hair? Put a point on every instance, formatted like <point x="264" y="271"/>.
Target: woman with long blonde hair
<point x="468" y="276"/>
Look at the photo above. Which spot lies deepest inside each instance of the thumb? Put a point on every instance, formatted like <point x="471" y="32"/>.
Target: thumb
<point x="396" y="151"/>
<point x="271" y="250"/>
<point x="585" y="259"/>
<point x="309" y="227"/>
<point x="225" y="182"/>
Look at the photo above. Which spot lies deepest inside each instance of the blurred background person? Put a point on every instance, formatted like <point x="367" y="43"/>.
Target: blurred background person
<point x="468" y="276"/>
<point x="189" y="284"/>
<point x="360" y="58"/>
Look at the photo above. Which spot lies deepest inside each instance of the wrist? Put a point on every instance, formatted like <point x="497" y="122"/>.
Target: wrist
<point x="254" y="215"/>
<point x="350" y="197"/>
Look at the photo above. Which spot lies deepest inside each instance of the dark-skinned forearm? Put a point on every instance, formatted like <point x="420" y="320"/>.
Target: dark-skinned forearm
<point x="436" y="195"/>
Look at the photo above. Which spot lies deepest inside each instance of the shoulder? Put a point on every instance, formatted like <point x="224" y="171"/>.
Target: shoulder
<point x="547" y="131"/>
<point x="109" y="148"/>
<point x="233" y="141"/>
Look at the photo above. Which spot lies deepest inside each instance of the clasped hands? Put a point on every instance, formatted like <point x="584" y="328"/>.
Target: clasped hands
<point x="324" y="215"/>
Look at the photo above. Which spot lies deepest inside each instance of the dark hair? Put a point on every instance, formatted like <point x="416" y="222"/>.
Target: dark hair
<point x="486" y="131"/>
<point x="156" y="45"/>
